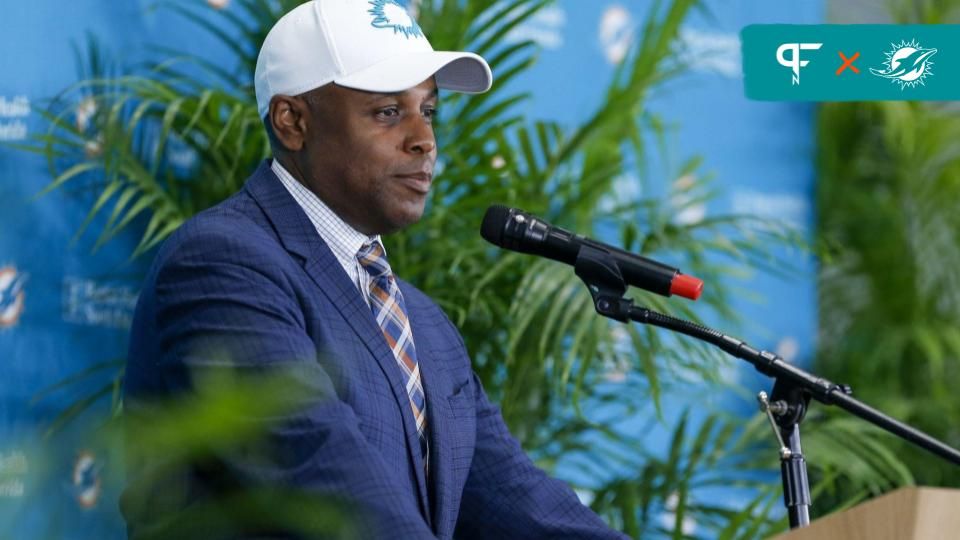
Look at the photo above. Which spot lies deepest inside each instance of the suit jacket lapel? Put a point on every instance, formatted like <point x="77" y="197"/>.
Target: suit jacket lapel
<point x="300" y="238"/>
<point x="436" y="390"/>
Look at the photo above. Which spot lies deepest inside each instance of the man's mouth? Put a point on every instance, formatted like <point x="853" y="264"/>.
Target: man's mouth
<point x="417" y="181"/>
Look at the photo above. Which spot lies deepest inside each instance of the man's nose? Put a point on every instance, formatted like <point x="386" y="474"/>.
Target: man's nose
<point x="420" y="140"/>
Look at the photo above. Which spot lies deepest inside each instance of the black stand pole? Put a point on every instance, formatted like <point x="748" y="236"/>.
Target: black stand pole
<point x="796" y="488"/>
<point x="792" y="391"/>
<point x="791" y="403"/>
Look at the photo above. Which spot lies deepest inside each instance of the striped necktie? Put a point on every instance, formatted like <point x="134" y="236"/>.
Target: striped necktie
<point x="388" y="308"/>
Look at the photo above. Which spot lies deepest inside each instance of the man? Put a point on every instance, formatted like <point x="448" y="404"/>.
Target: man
<point x="290" y="273"/>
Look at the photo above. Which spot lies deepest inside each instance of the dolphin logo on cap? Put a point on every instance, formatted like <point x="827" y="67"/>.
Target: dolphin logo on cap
<point x="392" y="14"/>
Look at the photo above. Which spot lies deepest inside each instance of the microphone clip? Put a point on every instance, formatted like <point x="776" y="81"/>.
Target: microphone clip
<point x="599" y="271"/>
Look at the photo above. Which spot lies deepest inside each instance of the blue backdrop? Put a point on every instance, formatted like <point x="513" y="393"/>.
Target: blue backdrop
<point x="64" y="308"/>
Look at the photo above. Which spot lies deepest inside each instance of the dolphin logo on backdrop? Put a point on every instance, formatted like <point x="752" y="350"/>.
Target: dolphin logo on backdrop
<point x="86" y="479"/>
<point x="85" y="118"/>
<point x="907" y="64"/>
<point x="84" y="113"/>
<point x="11" y="295"/>
<point x="616" y="33"/>
<point x="392" y="14"/>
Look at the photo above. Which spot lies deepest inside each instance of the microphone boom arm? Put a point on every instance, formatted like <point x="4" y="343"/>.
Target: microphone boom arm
<point x="793" y="386"/>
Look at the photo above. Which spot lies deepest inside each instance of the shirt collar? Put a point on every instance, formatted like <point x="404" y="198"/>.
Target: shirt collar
<point x="344" y="241"/>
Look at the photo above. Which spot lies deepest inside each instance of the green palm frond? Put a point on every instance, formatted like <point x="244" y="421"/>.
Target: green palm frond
<point x="675" y="495"/>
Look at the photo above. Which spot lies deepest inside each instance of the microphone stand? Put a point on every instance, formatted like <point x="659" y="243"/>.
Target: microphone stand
<point x="793" y="387"/>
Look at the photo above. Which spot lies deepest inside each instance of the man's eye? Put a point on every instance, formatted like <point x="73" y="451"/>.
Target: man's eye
<point x="389" y="112"/>
<point x="430" y="112"/>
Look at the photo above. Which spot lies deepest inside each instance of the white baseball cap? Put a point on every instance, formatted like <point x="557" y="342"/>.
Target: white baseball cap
<point x="372" y="45"/>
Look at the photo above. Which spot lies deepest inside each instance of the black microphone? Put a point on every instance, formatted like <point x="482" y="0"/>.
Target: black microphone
<point x="517" y="230"/>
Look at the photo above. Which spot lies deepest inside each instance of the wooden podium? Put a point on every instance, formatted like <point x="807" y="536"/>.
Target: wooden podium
<point x="904" y="514"/>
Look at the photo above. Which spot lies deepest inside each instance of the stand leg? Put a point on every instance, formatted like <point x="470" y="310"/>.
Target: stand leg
<point x="796" y="488"/>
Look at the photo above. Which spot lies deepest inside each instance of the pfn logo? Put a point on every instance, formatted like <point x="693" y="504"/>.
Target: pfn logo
<point x="794" y="62"/>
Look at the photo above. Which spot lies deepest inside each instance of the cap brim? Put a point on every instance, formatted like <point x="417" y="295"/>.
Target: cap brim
<point x="456" y="71"/>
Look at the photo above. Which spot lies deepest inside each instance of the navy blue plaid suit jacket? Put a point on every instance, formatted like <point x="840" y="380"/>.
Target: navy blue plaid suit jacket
<point x="251" y="275"/>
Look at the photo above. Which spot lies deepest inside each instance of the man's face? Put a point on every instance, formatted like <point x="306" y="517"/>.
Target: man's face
<point x="370" y="156"/>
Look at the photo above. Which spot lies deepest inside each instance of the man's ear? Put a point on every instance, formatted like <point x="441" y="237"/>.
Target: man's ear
<point x="288" y="118"/>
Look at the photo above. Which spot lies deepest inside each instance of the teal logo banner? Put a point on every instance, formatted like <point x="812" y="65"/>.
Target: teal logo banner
<point x="861" y="62"/>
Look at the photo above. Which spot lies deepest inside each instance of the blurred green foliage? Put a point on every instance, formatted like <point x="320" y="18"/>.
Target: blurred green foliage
<point x="889" y="285"/>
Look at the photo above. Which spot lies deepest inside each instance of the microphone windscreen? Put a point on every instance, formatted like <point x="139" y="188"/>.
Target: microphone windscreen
<point x="493" y="224"/>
